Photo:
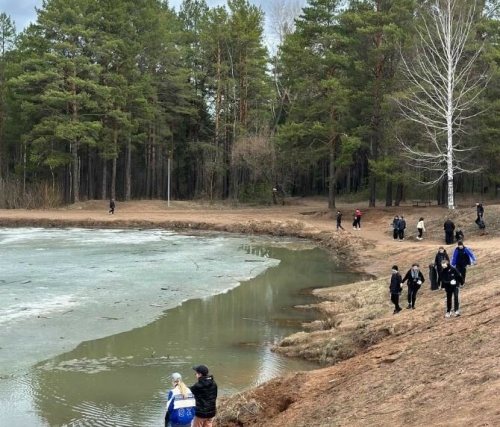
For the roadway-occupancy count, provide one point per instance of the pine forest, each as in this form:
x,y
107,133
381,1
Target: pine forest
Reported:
x,y
368,100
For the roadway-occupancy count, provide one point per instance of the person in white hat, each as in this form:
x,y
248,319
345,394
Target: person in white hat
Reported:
x,y
181,404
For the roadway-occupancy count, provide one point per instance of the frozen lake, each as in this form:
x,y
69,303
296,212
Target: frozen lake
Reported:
x,y
93,322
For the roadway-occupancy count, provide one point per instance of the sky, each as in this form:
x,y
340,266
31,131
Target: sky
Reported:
x,y
22,12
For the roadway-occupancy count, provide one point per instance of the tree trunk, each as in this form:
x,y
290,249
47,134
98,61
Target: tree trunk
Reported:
x,y
128,169
388,194
104,182
331,173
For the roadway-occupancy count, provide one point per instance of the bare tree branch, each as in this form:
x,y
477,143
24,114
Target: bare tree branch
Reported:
x,y
443,89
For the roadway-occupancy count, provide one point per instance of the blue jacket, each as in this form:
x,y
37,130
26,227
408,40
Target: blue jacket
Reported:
x,y
462,257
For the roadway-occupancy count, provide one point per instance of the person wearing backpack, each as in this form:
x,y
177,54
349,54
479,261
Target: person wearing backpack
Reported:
x,y
205,393
181,404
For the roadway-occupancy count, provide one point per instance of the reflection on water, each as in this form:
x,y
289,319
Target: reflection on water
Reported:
x,y
122,380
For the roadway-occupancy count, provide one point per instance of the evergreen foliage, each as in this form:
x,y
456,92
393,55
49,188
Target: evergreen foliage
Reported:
x,y
101,98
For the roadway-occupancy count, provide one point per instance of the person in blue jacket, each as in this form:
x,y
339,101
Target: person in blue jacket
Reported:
x,y
181,404
462,257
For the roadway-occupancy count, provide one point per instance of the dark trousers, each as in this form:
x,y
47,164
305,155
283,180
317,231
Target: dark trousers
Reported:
x,y
395,233
395,301
339,225
462,269
358,221
452,291
420,232
111,210
448,237
412,295
401,234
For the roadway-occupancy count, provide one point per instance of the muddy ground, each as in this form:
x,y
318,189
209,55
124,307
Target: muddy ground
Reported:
x,y
415,368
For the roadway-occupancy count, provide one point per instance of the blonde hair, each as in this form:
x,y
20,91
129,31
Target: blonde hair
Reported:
x,y
182,387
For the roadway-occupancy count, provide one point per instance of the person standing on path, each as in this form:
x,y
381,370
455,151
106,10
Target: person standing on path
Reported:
x,y
395,228
339,221
451,281
414,279
180,404
449,228
111,206
205,393
480,214
358,218
420,228
395,288
401,228
438,260
462,257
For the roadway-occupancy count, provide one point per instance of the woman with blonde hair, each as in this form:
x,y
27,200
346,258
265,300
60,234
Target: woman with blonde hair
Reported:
x,y
181,404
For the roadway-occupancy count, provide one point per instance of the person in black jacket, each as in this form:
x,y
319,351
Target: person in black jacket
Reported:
x,y
339,221
205,393
414,279
111,206
440,256
395,228
451,281
401,228
449,228
395,288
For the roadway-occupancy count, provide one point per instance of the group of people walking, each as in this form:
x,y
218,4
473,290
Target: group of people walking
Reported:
x,y
193,406
445,274
356,220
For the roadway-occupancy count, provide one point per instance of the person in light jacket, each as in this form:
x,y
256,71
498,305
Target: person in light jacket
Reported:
x,y
420,228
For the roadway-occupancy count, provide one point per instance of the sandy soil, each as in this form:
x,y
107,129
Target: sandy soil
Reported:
x,y
414,369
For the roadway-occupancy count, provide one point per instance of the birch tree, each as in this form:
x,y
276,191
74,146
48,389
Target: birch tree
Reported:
x,y
444,87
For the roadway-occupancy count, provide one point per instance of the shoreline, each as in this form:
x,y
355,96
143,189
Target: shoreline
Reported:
x,y
363,346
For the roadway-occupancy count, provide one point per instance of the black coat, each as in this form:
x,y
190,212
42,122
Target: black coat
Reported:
x,y
448,274
439,259
396,282
411,282
205,393
449,225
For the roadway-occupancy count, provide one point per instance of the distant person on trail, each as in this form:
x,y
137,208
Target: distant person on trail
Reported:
x,y
480,214
420,228
395,288
401,228
358,218
462,257
205,393
395,228
459,235
438,260
180,404
111,206
451,281
449,228
354,221
339,221
414,279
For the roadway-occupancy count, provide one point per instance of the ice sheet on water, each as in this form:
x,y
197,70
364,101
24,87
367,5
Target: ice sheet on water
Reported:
x,y
130,276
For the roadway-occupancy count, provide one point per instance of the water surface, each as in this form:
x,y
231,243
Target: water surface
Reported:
x,y
121,379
